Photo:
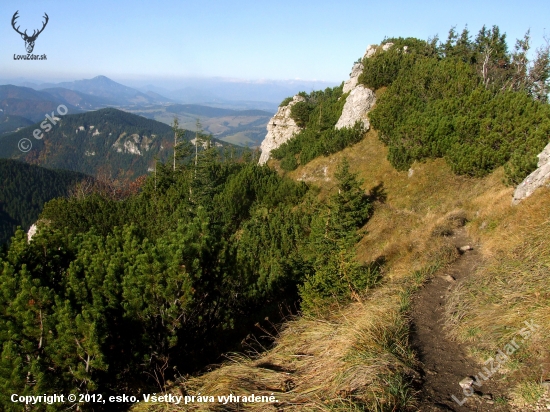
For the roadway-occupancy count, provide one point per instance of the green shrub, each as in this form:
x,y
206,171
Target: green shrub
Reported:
x,y
337,276
382,68
286,101
300,113
442,105
289,163
317,115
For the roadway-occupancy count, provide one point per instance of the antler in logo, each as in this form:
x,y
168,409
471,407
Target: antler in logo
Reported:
x,y
29,40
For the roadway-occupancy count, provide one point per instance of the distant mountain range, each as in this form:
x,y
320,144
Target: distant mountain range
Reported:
x,y
107,141
29,103
98,92
236,94
112,92
21,106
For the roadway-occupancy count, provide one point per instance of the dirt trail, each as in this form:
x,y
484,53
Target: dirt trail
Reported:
x,y
444,362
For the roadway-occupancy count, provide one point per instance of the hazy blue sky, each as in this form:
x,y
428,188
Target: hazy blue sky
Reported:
x,y
298,39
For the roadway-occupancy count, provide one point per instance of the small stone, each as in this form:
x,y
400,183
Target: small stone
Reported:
x,y
411,172
466,382
487,396
430,372
449,278
490,402
465,248
546,385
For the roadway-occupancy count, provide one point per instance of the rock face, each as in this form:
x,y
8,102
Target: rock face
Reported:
x,y
356,71
370,51
359,102
280,128
32,231
360,99
536,179
357,106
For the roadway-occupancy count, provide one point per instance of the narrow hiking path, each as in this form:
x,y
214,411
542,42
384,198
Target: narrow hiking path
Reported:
x,y
445,362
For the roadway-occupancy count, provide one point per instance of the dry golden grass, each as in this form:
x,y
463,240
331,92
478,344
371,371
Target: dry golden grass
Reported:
x,y
358,358
512,287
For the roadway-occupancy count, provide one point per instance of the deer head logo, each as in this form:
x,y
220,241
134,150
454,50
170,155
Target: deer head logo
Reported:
x,y
29,40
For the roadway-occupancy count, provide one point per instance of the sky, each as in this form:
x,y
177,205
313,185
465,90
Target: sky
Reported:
x,y
166,40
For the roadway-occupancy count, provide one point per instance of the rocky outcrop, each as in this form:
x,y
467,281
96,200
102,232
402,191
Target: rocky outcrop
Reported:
x,y
357,106
134,144
360,99
359,102
280,128
536,179
370,51
32,231
356,71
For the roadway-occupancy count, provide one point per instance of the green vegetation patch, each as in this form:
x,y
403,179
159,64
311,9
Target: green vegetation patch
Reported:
x,y
469,101
317,116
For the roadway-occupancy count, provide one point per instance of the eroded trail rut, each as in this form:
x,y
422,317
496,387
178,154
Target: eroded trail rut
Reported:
x,y
445,362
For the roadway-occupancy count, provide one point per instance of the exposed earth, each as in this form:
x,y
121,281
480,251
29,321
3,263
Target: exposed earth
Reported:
x,y
445,363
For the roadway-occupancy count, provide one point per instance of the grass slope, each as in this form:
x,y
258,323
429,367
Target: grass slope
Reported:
x,y
359,358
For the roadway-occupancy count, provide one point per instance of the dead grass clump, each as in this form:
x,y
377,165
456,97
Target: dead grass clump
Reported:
x,y
446,226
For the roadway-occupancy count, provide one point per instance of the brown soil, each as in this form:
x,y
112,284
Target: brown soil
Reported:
x,y
445,362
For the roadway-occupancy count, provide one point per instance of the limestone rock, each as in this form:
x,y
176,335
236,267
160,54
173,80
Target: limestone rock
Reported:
x,y
370,51
536,179
356,71
360,100
358,104
449,278
32,231
467,382
280,129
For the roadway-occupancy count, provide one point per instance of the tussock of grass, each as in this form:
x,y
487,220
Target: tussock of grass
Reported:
x,y
359,358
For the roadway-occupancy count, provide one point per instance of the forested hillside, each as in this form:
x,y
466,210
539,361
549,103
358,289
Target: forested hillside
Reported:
x,y
23,191
9,123
106,142
29,103
241,127
132,290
